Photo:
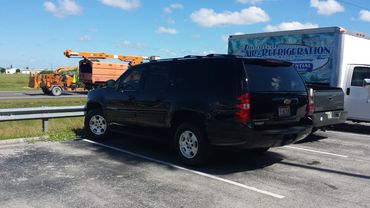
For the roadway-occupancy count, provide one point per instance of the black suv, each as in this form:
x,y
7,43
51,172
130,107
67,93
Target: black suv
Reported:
x,y
204,101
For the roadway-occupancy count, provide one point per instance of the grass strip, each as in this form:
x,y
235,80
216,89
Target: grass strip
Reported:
x,y
42,102
14,82
59,129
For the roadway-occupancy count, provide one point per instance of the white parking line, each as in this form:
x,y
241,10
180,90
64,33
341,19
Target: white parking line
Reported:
x,y
188,170
315,151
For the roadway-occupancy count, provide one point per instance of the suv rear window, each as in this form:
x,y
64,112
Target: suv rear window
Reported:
x,y
273,78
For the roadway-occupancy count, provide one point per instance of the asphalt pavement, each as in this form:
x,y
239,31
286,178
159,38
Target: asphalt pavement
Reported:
x,y
328,169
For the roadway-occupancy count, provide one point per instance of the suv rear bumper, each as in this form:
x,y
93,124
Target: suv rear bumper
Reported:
x,y
328,118
249,137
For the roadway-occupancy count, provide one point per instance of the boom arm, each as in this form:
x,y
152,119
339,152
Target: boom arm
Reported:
x,y
133,60
62,69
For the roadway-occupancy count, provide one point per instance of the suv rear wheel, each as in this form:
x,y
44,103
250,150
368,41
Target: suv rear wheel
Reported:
x,y
96,125
191,145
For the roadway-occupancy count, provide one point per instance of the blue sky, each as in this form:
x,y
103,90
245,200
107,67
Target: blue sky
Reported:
x,y
35,33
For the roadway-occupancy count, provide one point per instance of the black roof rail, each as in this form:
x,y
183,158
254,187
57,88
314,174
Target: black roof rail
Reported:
x,y
223,55
193,56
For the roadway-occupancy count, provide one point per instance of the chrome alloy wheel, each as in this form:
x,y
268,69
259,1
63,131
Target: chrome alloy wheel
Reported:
x,y
98,125
188,144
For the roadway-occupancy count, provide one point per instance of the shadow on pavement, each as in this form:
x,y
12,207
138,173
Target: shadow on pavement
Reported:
x,y
350,127
224,161
328,170
64,93
311,138
33,93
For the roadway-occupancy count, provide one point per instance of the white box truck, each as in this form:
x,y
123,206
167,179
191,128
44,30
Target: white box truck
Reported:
x,y
330,56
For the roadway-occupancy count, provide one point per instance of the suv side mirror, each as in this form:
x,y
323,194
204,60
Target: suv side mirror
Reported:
x,y
366,82
111,83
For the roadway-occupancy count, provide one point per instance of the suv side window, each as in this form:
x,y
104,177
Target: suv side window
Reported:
x,y
215,77
193,76
132,80
359,74
228,77
157,78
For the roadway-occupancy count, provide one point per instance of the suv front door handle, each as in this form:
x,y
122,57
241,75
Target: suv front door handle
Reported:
x,y
348,91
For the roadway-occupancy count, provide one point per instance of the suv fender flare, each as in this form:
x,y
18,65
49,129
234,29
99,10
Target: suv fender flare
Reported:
x,y
180,116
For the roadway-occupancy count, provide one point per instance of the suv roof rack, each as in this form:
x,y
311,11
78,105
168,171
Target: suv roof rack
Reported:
x,y
222,55
193,56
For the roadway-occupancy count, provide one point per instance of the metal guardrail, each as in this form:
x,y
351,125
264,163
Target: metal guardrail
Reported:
x,y
43,113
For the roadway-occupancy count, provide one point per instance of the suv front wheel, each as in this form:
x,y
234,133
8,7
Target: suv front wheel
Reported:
x,y
191,145
96,125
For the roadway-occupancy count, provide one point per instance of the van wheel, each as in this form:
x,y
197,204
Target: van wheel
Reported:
x,y
191,145
96,125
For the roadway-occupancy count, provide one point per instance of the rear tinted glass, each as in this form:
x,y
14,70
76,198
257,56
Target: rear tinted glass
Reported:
x,y
273,78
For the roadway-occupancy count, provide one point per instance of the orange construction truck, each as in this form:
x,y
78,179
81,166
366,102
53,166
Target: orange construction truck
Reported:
x,y
94,73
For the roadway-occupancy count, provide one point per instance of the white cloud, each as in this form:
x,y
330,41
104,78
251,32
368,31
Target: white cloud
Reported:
x,y
327,7
167,10
166,30
176,6
196,36
171,21
249,1
130,45
172,7
168,52
122,4
94,30
364,15
85,38
63,8
210,18
207,52
290,26
225,38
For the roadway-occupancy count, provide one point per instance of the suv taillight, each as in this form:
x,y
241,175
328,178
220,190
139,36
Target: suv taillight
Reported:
x,y
243,113
311,103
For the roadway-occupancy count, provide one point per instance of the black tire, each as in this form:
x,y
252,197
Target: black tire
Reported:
x,y
96,125
258,151
46,91
56,91
314,130
191,145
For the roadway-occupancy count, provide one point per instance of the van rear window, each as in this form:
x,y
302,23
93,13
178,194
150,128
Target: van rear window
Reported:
x,y
273,78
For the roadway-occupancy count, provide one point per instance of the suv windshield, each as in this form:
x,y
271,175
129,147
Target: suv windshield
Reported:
x,y
273,78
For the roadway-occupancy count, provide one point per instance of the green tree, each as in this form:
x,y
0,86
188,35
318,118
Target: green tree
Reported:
x,y
2,70
17,71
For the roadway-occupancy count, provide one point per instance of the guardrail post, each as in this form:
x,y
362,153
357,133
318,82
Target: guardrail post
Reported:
x,y
45,125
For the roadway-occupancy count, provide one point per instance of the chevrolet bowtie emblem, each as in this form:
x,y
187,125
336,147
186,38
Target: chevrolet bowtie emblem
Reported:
x,y
287,101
